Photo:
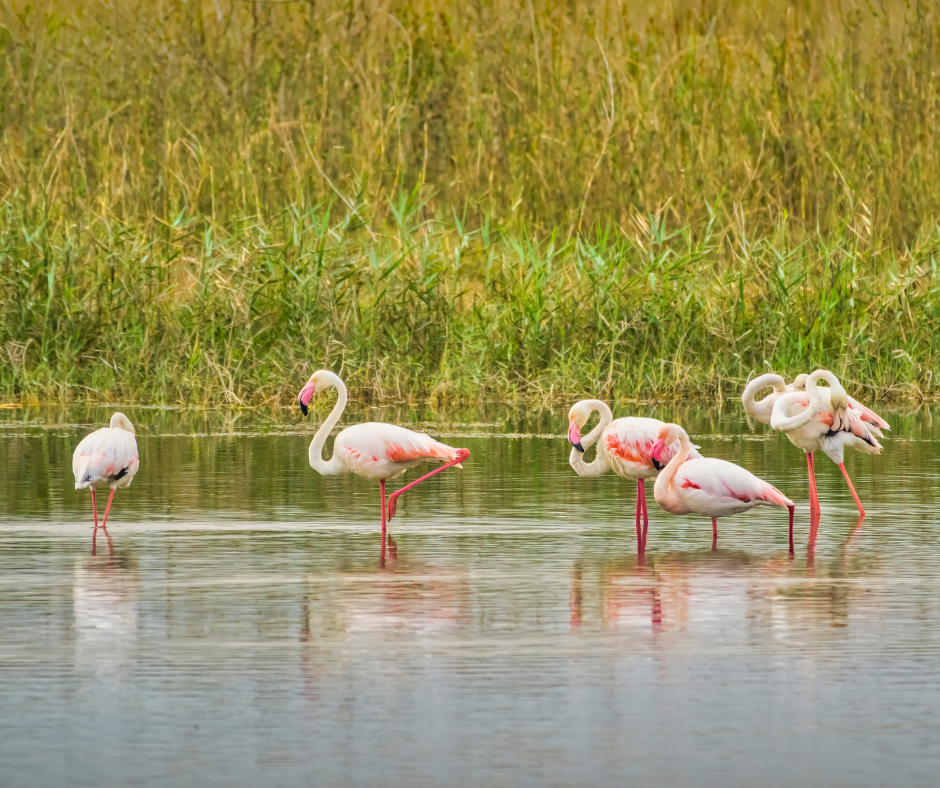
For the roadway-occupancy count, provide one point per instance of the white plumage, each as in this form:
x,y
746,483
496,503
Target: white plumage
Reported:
x,y
107,457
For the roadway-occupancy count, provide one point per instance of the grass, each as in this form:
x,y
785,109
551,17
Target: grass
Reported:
x,y
202,202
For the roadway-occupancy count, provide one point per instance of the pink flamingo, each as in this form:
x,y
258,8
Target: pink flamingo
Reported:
x,y
106,457
373,450
623,446
761,410
814,420
714,488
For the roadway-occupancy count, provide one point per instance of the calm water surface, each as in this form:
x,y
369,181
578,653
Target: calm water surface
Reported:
x,y
243,631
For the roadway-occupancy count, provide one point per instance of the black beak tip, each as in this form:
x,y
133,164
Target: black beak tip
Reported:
x,y
657,464
578,446
303,408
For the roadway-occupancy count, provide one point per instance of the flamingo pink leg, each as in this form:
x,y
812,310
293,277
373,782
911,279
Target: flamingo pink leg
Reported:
x,y
107,509
848,481
94,506
791,509
384,521
714,533
813,490
646,514
639,514
462,455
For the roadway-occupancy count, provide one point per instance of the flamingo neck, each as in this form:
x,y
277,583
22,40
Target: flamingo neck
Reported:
x,y
788,424
762,410
598,465
663,484
333,466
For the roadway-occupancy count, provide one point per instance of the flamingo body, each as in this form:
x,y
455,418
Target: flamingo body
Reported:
x,y
385,451
625,446
107,457
827,430
716,488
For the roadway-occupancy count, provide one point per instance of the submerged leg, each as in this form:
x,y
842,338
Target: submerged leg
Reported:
x,y
848,481
714,533
791,510
107,509
813,491
462,455
384,520
639,515
646,514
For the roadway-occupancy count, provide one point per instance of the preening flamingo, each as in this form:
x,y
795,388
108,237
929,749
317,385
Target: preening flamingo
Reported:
x,y
707,486
815,421
374,451
106,457
623,446
762,409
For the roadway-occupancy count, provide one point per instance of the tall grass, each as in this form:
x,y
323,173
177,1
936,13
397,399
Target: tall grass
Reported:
x,y
203,201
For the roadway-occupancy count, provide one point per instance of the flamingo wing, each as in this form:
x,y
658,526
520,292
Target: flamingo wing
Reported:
x,y
715,487
105,457
383,451
869,416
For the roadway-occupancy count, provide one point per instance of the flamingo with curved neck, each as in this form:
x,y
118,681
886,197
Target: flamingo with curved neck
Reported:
x,y
623,446
708,486
372,450
828,423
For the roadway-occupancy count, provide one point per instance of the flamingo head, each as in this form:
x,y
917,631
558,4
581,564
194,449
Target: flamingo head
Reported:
x,y
799,382
319,380
120,422
668,434
577,417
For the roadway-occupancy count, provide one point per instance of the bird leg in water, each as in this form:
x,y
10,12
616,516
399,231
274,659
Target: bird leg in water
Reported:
x,y
639,513
848,481
714,533
813,490
108,509
646,514
462,455
94,506
384,521
791,509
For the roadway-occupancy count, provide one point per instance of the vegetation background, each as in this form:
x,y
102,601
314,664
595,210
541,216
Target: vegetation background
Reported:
x,y
204,201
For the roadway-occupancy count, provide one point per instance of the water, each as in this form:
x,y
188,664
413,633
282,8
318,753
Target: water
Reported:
x,y
242,630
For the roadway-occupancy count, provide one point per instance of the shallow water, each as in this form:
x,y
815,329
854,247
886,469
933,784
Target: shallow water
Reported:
x,y
241,630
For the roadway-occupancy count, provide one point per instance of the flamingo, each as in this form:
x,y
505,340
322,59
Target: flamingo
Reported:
x,y
106,457
372,450
761,410
714,488
623,446
827,422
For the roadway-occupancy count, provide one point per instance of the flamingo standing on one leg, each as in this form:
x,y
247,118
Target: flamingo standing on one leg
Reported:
x,y
374,451
827,422
714,488
623,446
106,457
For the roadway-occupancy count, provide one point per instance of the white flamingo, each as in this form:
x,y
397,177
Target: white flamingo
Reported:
x,y
762,409
373,450
106,457
817,421
623,446
707,486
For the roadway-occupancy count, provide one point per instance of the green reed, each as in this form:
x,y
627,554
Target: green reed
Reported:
x,y
202,202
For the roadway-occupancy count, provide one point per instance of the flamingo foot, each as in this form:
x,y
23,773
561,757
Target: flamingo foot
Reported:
x,y
462,455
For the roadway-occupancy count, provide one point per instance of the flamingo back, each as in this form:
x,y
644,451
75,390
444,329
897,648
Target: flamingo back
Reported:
x,y
383,451
106,458
717,488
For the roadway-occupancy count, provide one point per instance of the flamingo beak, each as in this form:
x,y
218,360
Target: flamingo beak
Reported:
x,y
574,436
306,394
656,451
